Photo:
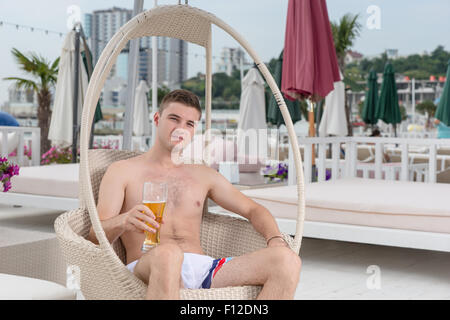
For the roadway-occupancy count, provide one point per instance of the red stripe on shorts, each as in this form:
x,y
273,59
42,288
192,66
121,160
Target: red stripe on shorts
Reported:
x,y
219,265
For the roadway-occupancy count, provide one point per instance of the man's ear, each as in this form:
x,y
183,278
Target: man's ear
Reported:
x,y
156,118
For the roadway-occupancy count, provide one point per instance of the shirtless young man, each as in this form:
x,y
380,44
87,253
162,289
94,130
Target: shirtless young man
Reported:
x,y
179,260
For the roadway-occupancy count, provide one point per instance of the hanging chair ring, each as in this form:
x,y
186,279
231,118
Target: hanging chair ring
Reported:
x,y
192,25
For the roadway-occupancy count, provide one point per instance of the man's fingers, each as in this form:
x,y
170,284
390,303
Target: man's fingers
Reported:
x,y
147,220
146,210
143,226
153,222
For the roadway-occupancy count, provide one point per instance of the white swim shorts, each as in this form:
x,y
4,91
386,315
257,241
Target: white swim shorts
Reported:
x,y
197,270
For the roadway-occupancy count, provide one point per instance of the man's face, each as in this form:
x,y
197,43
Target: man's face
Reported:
x,y
176,124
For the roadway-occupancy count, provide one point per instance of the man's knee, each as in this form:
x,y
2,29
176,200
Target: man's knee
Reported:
x,y
166,255
286,261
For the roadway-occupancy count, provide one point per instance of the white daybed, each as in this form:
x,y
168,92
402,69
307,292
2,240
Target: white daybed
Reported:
x,y
51,186
27,249
394,213
14,287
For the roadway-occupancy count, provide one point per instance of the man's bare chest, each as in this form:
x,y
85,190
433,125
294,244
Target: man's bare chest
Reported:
x,y
185,192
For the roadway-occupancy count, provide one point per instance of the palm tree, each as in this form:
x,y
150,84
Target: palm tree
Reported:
x,y
45,75
429,108
345,33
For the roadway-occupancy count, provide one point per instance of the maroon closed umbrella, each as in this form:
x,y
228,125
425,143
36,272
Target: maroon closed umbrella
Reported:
x,y
310,65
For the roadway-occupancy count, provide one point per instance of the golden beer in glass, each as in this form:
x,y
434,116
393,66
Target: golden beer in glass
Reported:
x,y
155,198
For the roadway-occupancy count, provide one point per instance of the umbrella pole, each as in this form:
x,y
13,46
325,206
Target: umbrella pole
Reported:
x,y
312,134
75,98
90,70
133,75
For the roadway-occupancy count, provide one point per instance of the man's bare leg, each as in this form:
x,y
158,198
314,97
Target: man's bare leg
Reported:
x,y
160,268
277,269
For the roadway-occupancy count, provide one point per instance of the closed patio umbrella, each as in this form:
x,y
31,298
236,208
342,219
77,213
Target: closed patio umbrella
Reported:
x,y
333,121
98,115
371,100
252,108
388,109
309,62
274,115
61,124
141,121
443,109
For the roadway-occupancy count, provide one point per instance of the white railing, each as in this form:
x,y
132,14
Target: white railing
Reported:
x,y
141,143
16,138
404,170
418,135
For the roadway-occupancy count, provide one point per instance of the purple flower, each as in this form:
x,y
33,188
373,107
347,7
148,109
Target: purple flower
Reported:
x,y
6,186
277,171
3,159
16,170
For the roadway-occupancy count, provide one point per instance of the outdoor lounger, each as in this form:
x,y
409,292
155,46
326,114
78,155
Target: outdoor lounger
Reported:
x,y
52,186
393,213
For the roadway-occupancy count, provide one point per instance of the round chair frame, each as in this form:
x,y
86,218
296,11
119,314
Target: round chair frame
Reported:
x,y
103,274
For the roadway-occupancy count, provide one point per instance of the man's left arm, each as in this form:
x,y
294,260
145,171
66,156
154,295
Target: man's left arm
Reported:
x,y
228,197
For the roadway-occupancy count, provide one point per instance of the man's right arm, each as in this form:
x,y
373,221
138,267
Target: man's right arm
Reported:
x,y
110,201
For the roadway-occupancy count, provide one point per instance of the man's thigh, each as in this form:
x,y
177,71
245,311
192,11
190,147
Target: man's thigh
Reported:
x,y
249,269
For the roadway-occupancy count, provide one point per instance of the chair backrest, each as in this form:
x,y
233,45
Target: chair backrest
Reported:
x,y
99,160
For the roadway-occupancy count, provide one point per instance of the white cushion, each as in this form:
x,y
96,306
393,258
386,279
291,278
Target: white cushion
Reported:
x,y
59,180
22,288
367,202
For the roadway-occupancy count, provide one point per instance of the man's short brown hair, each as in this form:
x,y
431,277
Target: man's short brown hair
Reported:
x,y
182,96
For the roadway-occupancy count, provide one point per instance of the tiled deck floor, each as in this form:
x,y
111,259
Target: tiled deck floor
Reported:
x,y
330,269
339,270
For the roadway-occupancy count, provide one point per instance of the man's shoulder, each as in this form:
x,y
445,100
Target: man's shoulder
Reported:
x,y
123,166
201,169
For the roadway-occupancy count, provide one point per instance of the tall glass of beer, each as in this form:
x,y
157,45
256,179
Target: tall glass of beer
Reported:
x,y
154,197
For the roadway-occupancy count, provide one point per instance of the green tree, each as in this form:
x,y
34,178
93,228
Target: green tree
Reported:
x,y
196,85
162,91
345,33
428,107
44,75
419,66
403,112
417,74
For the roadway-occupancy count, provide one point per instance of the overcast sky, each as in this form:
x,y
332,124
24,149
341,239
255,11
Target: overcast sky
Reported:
x,y
411,26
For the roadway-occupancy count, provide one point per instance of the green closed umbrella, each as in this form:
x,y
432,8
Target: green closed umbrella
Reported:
x,y
98,111
274,115
388,109
443,109
371,100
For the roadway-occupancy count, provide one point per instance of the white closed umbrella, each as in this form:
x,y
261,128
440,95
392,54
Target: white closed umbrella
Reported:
x,y
333,120
141,121
61,124
252,109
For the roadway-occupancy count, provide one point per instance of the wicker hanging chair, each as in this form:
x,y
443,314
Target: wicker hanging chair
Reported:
x,y
103,273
